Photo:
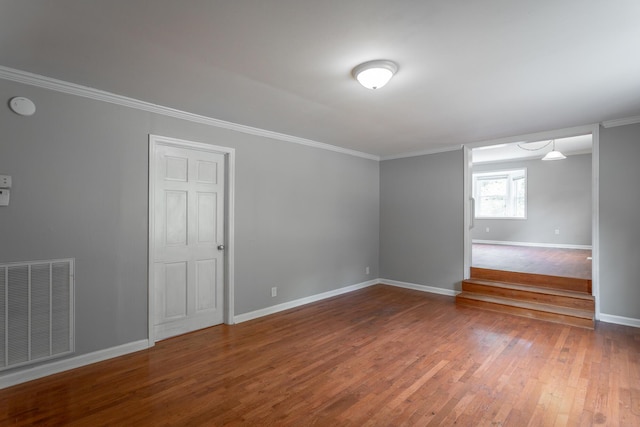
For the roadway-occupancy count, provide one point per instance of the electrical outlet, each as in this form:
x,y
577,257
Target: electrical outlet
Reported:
x,y
366,270
274,291
557,231
487,229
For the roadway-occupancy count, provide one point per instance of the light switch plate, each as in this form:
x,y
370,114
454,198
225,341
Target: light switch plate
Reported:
x,y
4,196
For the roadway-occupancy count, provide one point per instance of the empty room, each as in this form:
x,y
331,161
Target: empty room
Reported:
x,y
351,213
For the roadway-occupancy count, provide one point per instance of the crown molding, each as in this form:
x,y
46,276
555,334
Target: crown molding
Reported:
x,y
422,152
49,83
621,122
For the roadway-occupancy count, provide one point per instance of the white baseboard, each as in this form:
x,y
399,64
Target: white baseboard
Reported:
x,y
11,379
619,320
302,301
423,288
535,245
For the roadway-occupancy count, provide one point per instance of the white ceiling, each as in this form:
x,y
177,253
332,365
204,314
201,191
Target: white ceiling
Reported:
x,y
468,70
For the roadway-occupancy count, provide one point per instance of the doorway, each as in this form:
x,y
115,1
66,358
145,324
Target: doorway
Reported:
x,y
547,231
190,236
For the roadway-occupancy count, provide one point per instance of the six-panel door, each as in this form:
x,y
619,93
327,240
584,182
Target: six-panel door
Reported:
x,y
188,228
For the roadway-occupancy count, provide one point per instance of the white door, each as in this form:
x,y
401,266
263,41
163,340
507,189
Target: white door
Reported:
x,y
188,238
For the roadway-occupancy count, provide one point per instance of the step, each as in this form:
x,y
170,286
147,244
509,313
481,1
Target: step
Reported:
x,y
538,280
532,310
558,297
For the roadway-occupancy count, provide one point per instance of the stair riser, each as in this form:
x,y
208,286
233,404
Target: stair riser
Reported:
x,y
532,314
560,300
553,282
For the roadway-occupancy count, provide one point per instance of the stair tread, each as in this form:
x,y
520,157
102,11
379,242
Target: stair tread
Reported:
x,y
531,288
549,308
539,280
480,270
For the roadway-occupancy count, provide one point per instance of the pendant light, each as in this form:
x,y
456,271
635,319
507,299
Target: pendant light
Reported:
x,y
554,154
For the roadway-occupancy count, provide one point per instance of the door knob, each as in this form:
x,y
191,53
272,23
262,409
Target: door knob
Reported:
x,y
220,247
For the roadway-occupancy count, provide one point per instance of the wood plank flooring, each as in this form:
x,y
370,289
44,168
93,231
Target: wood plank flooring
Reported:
x,y
527,259
381,356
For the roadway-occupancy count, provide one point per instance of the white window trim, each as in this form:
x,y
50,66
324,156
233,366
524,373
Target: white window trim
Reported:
x,y
500,173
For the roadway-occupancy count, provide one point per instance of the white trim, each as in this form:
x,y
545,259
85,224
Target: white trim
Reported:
x,y
302,301
230,217
422,288
422,152
468,220
595,217
620,320
229,285
37,80
150,245
621,122
41,371
535,245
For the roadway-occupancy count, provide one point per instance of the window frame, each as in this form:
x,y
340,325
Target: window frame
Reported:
x,y
511,200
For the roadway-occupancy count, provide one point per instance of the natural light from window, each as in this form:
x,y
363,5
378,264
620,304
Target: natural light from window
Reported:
x,y
500,194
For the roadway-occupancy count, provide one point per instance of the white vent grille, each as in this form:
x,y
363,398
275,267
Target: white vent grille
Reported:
x,y
36,311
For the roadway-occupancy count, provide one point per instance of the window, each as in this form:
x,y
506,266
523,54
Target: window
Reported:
x,y
500,194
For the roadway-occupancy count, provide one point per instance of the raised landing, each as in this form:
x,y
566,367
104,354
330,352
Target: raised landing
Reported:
x,y
563,300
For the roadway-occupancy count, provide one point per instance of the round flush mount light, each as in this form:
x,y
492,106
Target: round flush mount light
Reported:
x,y
375,74
22,106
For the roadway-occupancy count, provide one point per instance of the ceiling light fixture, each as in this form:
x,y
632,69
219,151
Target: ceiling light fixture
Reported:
x,y
553,154
375,74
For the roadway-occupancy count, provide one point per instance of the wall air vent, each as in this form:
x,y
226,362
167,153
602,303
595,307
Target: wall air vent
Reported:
x,y
36,311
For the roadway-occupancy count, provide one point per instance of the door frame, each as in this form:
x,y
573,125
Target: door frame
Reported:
x,y
229,224
594,130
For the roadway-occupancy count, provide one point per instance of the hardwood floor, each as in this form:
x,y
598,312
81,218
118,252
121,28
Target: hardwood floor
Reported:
x,y
527,259
381,356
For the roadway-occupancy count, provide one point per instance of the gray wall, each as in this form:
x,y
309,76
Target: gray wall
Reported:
x,y
421,219
558,197
307,220
619,227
